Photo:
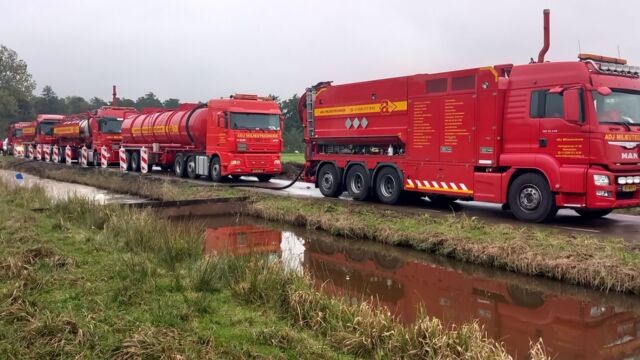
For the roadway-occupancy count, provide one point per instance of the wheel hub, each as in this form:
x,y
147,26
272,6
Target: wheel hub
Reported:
x,y
530,198
388,186
327,181
357,184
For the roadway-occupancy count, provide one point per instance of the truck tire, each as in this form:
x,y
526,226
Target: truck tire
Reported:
x,y
591,214
135,161
264,178
127,155
358,182
388,186
191,167
96,159
329,181
215,170
179,168
531,199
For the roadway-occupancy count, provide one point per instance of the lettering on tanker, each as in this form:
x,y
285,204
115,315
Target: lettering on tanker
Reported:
x,y
454,122
422,124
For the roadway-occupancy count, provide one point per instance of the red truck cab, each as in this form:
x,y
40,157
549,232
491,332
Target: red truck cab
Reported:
x,y
535,137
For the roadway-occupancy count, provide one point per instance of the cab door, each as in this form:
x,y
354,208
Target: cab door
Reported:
x,y
566,141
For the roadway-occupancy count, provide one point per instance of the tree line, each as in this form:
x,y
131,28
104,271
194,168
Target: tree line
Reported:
x,y
19,103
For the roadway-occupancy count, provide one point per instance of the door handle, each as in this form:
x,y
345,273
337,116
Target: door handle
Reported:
x,y
543,142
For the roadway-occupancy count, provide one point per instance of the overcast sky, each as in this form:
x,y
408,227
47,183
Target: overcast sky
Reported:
x,y
196,50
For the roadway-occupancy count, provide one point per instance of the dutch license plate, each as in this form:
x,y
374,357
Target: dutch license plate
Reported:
x,y
629,188
257,170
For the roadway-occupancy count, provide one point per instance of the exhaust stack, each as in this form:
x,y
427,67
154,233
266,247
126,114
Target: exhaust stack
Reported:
x,y
547,40
114,101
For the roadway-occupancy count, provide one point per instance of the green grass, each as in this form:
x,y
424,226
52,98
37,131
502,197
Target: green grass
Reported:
x,y
80,280
293,158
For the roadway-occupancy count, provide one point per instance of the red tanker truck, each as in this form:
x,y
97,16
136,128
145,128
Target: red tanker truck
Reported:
x,y
18,134
533,137
41,131
236,136
92,130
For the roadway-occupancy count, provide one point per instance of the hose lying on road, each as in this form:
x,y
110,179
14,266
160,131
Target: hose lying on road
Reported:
x,y
272,188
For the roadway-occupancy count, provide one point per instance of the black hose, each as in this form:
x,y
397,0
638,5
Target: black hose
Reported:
x,y
272,188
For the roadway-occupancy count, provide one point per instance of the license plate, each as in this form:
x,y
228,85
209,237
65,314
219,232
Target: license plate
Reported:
x,y
629,188
257,170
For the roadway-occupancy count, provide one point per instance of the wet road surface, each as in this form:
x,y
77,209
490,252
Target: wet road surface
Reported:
x,y
59,190
573,322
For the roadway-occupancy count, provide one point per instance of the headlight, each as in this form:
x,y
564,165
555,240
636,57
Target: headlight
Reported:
x,y
601,179
636,179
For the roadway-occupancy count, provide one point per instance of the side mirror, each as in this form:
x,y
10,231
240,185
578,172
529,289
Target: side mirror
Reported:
x,y
603,90
572,106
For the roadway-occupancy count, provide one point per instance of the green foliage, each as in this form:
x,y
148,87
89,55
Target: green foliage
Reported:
x,y
292,135
16,88
77,104
171,103
49,102
150,100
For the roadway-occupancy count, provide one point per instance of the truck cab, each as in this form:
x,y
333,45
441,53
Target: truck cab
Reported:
x,y
576,124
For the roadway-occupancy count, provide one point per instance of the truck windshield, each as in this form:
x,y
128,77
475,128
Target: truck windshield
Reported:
x,y
619,107
17,133
46,128
110,125
248,121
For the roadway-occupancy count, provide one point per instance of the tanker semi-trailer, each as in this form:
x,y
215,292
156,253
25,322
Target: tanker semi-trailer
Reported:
x,y
533,137
92,130
238,136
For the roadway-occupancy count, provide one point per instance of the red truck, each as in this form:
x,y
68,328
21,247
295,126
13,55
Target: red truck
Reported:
x,y
18,134
533,137
236,136
92,130
41,133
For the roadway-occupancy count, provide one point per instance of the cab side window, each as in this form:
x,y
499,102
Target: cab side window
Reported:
x,y
546,105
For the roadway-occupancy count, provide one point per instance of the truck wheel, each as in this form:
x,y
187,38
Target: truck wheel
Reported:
x,y
329,181
591,214
96,159
358,182
215,170
135,161
179,167
191,167
531,199
264,178
127,155
388,185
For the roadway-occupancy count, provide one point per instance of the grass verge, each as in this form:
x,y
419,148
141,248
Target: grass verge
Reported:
x,y
294,158
80,280
596,262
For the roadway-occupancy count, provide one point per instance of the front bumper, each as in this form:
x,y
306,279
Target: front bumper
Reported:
x,y
614,195
252,164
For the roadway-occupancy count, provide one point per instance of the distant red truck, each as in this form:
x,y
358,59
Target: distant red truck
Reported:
x,y
92,130
238,136
534,137
18,134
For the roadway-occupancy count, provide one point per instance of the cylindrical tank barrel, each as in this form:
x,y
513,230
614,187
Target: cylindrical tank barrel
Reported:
x,y
186,126
72,129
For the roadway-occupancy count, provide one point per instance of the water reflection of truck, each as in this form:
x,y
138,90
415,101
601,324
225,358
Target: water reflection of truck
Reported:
x,y
242,240
569,327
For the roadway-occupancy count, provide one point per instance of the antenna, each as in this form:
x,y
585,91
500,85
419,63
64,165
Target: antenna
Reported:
x,y
114,101
619,52
579,48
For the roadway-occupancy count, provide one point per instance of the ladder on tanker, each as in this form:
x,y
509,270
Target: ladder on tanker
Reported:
x,y
311,123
